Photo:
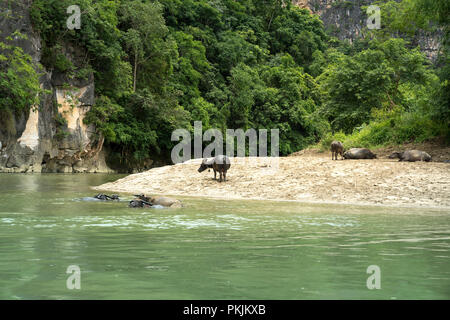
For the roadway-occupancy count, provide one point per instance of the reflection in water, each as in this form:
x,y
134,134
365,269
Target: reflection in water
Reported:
x,y
211,249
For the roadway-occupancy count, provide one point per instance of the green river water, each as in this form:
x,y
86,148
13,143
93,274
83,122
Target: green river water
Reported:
x,y
211,249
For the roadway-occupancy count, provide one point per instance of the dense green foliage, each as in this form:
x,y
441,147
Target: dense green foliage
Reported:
x,y
386,75
406,99
19,80
245,64
160,66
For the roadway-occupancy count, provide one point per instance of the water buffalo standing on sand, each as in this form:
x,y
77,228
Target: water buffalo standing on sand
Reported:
x,y
359,153
219,163
337,148
411,155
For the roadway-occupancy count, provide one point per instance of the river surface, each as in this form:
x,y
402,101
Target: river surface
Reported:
x,y
211,249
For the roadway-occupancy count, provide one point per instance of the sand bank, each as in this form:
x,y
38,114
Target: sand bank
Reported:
x,y
305,178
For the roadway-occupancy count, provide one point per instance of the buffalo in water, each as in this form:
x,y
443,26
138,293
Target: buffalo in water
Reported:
x,y
147,202
166,202
137,203
219,164
411,156
105,197
141,201
359,153
337,148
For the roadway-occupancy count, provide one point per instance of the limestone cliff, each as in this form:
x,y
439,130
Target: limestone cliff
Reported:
x,y
346,20
50,137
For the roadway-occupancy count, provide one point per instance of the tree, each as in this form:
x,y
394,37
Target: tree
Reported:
x,y
371,79
19,77
145,32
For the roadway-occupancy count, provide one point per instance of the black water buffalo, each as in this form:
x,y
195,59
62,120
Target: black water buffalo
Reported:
x,y
102,196
141,202
146,202
337,148
142,197
359,153
219,164
411,156
137,203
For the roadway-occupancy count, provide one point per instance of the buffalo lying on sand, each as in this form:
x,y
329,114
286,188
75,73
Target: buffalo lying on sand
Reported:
x,y
337,148
411,155
359,153
219,164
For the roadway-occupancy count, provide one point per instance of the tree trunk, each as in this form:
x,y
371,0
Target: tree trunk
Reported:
x,y
390,100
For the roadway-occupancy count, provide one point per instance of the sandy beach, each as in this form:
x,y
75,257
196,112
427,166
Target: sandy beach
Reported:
x,y
304,178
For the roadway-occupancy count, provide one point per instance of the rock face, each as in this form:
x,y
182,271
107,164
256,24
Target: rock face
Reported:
x,y
346,20
50,137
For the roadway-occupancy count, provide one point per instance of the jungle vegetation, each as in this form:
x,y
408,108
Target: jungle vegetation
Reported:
x,y
161,65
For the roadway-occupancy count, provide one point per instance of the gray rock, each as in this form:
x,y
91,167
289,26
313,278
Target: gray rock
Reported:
x,y
346,20
48,152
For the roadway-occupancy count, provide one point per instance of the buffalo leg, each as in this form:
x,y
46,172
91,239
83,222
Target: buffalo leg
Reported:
x,y
214,174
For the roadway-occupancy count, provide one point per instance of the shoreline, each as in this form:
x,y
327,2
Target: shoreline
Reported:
x,y
302,179
310,202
